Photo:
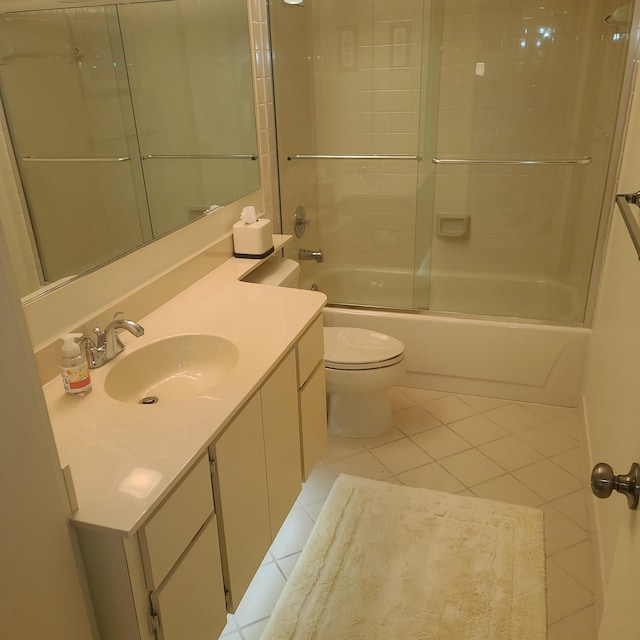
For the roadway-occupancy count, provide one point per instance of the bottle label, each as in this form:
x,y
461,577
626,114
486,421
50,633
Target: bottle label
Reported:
x,y
76,379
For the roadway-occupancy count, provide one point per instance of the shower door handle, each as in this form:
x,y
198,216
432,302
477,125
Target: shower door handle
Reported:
x,y
603,482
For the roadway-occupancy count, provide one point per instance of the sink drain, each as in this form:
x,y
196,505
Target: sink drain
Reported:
x,y
149,400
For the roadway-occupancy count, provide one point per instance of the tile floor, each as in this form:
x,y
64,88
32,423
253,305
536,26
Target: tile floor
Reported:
x,y
516,452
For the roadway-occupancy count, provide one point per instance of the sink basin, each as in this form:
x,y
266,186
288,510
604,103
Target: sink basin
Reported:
x,y
175,368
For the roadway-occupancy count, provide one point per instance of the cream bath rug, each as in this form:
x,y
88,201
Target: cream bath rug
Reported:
x,y
388,562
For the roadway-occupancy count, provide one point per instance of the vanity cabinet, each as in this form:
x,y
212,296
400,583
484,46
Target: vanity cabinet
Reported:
x,y
312,401
192,559
164,582
257,476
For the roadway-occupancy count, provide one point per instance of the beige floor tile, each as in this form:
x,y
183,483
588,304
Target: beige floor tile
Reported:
x,y
449,409
293,534
472,467
399,400
414,420
574,506
579,562
362,464
548,479
560,532
288,564
480,403
401,456
377,441
513,417
261,596
572,424
431,476
573,461
565,595
511,453
314,509
508,489
582,625
419,396
478,430
340,447
548,440
318,486
440,442
549,411
254,631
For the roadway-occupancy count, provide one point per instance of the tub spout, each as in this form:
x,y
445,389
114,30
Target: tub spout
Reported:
x,y
308,254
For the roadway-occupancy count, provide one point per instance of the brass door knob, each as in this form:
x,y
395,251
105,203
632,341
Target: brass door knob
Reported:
x,y
603,482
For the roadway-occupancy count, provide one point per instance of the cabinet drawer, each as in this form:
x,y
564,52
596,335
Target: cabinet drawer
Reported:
x,y
170,530
191,603
310,350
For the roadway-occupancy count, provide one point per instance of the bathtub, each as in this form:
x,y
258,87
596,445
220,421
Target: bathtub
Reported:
x,y
481,294
522,361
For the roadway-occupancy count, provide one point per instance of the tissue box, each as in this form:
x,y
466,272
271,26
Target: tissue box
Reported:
x,y
253,239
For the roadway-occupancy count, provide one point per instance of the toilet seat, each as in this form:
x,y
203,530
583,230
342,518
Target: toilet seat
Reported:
x,y
348,348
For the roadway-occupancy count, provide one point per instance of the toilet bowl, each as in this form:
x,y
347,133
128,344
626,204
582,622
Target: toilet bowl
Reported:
x,y
360,367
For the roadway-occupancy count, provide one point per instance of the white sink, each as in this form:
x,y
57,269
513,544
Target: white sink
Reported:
x,y
174,368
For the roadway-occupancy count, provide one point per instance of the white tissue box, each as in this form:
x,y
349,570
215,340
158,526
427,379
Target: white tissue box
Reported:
x,y
253,239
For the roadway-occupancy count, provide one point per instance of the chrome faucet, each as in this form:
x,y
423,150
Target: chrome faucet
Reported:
x,y
107,344
308,254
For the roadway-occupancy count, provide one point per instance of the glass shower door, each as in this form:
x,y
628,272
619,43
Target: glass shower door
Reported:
x,y
347,82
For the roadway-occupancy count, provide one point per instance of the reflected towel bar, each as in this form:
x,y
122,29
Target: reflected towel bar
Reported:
x,y
585,160
237,156
37,159
305,156
623,201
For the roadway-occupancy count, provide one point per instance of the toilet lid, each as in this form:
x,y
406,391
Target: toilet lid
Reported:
x,y
349,348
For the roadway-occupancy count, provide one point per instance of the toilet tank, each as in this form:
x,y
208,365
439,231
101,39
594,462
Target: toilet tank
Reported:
x,y
276,271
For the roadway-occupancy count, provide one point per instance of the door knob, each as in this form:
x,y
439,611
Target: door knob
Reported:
x,y
603,482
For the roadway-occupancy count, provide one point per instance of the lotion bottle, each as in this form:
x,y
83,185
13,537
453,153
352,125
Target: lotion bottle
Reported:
x,y
73,367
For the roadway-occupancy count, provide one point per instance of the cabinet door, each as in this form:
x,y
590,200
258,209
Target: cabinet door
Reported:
x,y
190,603
241,499
313,419
279,396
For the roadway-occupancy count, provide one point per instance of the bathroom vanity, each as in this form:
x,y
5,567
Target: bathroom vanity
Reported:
x,y
179,501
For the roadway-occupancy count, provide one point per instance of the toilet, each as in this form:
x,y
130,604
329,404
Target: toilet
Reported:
x,y
361,365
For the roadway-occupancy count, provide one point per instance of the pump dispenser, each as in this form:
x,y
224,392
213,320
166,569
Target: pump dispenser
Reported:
x,y
73,367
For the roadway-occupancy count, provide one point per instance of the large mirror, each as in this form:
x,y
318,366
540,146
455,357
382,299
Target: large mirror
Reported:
x,y
127,121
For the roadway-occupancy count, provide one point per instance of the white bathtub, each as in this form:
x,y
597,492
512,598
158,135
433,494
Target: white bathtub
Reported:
x,y
503,359
481,294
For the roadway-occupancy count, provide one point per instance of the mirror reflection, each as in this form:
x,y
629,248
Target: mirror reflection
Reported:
x,y
127,121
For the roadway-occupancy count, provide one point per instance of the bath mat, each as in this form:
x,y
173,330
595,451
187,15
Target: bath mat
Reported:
x,y
389,562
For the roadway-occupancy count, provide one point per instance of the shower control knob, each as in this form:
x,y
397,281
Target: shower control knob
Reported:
x,y
603,482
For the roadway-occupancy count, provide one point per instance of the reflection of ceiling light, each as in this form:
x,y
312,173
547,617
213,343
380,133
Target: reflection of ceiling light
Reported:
x,y
140,482
294,1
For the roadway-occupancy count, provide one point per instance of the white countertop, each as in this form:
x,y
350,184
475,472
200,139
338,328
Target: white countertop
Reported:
x,y
124,456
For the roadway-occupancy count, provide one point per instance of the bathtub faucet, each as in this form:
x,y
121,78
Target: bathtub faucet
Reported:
x,y
308,254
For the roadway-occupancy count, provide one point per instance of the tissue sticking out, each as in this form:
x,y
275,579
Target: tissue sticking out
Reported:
x,y
248,215
620,17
